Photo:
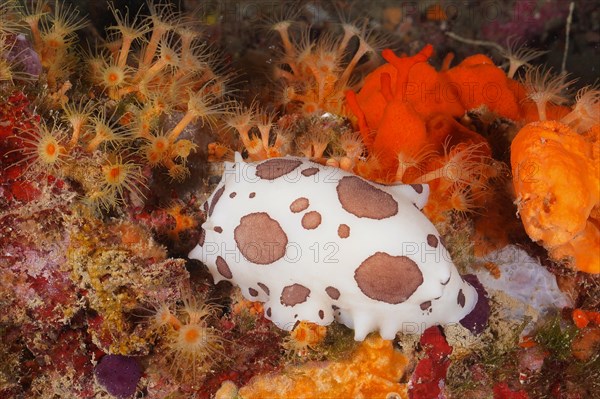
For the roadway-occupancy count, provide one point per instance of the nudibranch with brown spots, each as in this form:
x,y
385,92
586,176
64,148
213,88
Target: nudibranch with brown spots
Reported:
x,y
319,244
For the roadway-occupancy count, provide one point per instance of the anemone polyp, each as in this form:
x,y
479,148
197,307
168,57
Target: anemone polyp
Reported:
x,y
163,317
159,144
122,175
192,344
156,149
113,76
191,338
54,40
304,337
49,149
118,176
43,149
193,348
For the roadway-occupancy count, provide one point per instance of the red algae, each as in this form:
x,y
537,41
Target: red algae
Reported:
x,y
430,374
16,116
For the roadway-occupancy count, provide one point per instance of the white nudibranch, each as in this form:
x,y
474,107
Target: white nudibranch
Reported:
x,y
319,244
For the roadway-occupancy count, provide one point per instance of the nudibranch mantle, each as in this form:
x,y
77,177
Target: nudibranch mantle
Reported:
x,y
319,244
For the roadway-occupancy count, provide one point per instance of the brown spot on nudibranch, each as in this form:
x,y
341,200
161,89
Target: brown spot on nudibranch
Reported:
x,y
269,312
387,278
310,171
321,314
417,187
333,292
252,195
263,287
252,291
460,299
299,205
223,268
276,167
343,231
215,199
218,229
425,305
311,220
202,237
362,199
232,195
260,239
432,240
294,294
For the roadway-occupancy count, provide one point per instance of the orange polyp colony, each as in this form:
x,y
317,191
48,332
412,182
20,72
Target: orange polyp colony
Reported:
x,y
307,334
463,201
172,321
316,75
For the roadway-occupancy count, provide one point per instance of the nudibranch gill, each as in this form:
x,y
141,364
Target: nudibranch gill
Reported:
x,y
319,244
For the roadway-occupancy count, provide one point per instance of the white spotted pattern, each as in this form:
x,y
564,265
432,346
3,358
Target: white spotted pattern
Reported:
x,y
385,269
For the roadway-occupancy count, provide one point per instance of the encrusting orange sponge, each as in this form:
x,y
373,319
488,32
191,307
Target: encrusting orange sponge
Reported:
x,y
407,115
480,82
399,127
557,185
378,365
402,102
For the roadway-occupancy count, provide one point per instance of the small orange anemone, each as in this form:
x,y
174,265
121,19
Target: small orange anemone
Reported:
x,y
304,337
529,110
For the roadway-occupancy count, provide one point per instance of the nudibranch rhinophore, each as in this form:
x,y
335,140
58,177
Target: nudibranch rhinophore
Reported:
x,y
319,244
